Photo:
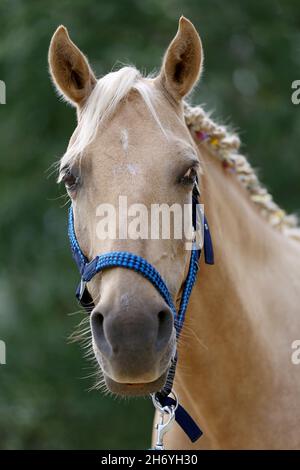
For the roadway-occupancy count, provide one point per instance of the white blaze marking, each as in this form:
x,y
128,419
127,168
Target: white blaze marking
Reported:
x,y
124,140
132,169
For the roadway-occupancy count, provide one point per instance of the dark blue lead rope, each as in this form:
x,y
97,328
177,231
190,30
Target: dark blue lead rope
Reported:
x,y
124,259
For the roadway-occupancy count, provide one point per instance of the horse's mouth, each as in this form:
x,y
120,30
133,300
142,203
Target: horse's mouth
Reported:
x,y
135,389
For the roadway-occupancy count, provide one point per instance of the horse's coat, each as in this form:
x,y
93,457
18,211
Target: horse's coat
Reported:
x,y
235,373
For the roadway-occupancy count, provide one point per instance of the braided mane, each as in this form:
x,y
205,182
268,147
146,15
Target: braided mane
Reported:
x,y
225,147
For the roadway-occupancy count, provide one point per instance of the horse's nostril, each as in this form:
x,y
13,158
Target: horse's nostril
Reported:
x,y
165,326
97,321
161,316
97,324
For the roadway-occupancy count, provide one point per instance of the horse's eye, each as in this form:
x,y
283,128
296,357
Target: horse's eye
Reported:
x,y
70,180
189,177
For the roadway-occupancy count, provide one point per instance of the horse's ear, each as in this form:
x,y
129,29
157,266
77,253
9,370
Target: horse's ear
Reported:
x,y
69,68
183,61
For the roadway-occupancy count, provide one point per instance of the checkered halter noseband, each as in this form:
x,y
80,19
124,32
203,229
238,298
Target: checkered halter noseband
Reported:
x,y
127,260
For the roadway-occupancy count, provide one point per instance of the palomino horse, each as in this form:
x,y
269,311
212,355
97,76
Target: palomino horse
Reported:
x,y
138,138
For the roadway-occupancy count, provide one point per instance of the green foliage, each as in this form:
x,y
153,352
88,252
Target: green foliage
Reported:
x,y
252,55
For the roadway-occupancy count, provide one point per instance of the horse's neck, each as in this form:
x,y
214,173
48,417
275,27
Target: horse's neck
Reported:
x,y
236,346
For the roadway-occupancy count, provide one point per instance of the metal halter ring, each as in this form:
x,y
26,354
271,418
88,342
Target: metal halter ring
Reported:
x,y
166,420
164,409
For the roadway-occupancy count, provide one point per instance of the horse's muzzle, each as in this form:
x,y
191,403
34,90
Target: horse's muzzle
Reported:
x,y
134,346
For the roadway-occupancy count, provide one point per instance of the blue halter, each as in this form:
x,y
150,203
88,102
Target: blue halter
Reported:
x,y
124,259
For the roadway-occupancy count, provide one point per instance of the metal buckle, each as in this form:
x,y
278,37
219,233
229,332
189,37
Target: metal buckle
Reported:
x,y
82,288
164,425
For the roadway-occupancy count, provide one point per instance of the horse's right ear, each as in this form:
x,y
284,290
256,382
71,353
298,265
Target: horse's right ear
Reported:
x,y
69,68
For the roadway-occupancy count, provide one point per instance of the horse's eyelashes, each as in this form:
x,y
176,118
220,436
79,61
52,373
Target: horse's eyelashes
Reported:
x,y
70,180
189,177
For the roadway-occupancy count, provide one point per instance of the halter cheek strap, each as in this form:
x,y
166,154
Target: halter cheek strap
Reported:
x,y
127,260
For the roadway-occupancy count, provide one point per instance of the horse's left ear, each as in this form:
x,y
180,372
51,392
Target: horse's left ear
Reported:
x,y
183,61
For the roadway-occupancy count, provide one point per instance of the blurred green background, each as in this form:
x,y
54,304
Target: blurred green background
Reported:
x,y
252,55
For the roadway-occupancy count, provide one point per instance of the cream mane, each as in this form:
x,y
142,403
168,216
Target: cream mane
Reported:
x,y
113,87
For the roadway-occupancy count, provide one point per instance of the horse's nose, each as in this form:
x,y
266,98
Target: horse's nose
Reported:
x,y
134,339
